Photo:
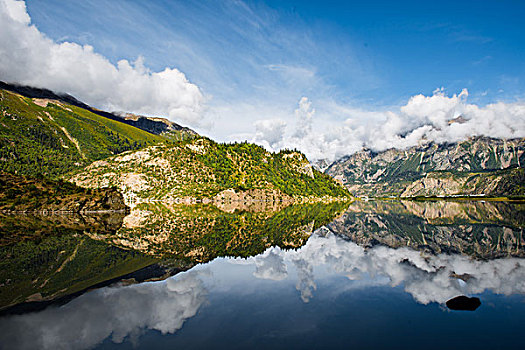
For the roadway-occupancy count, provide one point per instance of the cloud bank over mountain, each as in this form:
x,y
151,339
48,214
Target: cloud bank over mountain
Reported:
x,y
29,57
438,118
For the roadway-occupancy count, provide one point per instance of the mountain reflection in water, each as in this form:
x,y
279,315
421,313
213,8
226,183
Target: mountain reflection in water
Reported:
x,y
44,259
480,229
280,295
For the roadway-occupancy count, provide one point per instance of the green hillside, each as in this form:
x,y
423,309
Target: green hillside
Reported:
x,y
51,138
201,168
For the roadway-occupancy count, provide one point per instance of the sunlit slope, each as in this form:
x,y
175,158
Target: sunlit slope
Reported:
x,y
50,138
202,168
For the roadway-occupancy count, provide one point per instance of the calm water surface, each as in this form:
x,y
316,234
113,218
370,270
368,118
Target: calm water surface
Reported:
x,y
378,276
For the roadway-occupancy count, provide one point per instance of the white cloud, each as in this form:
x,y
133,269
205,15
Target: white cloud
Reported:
x,y
304,115
17,11
27,56
270,130
270,265
422,119
259,103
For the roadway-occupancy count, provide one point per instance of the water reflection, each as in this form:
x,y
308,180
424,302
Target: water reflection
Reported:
x,y
129,311
115,313
45,258
200,233
432,252
428,278
479,229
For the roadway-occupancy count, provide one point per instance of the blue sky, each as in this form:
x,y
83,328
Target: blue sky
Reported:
x,y
371,52
259,70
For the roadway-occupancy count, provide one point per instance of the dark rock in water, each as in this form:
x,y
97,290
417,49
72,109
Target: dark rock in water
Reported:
x,y
463,303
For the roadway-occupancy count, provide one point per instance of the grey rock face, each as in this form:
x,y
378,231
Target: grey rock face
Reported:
x,y
433,169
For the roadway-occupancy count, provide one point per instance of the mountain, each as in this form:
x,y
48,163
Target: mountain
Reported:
x,y
51,138
478,165
159,126
154,125
43,133
203,170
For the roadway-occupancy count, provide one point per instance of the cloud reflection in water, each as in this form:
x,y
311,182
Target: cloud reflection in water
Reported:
x,y
116,312
428,278
129,311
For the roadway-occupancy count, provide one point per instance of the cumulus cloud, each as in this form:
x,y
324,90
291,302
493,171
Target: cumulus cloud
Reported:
x,y
304,115
438,118
29,57
270,131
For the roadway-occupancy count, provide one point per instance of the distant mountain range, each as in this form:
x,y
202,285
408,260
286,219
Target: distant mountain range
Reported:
x,y
477,166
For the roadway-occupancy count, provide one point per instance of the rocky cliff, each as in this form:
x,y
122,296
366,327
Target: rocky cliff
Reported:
x,y
509,182
469,167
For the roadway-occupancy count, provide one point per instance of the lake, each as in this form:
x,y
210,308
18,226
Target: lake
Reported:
x,y
363,275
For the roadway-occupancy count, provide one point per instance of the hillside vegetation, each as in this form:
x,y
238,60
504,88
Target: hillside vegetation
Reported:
x,y
203,169
51,138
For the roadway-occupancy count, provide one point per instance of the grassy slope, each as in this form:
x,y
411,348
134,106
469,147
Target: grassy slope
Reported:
x,y
33,142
